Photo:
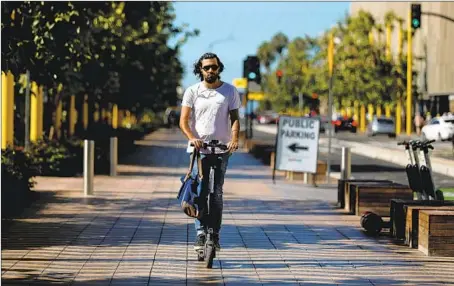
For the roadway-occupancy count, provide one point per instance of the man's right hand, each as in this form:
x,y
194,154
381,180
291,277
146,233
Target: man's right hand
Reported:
x,y
197,143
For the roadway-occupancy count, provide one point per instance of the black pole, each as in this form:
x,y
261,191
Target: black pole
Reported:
x,y
275,152
27,113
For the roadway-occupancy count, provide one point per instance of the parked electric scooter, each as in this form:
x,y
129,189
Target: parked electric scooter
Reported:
x,y
420,180
412,168
425,170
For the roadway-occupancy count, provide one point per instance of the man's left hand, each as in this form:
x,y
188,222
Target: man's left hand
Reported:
x,y
232,146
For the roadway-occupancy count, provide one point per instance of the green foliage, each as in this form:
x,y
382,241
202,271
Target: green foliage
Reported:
x,y
361,69
19,166
103,49
54,157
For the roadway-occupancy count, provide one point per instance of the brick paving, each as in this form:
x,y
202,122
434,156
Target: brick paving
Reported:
x,y
131,232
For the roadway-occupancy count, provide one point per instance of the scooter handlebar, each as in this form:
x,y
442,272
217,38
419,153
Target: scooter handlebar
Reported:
x,y
206,145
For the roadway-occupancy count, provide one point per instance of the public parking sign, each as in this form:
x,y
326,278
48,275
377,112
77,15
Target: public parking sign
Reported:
x,y
297,144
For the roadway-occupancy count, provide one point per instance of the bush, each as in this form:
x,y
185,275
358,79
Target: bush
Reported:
x,y
18,170
20,166
56,158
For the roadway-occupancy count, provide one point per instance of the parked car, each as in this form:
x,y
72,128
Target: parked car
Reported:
x,y
381,126
345,123
439,128
268,117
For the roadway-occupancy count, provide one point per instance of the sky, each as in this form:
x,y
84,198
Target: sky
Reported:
x,y
234,30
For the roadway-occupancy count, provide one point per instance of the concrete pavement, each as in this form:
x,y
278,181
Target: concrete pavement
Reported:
x,y
131,232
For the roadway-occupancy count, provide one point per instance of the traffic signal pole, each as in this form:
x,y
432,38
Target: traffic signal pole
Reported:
x,y
330,103
409,74
251,71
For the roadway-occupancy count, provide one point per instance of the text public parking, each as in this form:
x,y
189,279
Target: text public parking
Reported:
x,y
306,126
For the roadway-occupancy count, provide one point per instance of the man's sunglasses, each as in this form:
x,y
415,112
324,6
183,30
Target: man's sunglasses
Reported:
x,y
213,67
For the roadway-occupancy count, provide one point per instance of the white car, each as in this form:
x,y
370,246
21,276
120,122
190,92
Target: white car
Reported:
x,y
439,128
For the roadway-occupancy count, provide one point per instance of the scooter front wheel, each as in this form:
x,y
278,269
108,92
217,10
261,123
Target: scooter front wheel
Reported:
x,y
210,252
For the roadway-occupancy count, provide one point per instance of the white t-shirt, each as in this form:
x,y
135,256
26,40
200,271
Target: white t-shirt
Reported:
x,y
210,118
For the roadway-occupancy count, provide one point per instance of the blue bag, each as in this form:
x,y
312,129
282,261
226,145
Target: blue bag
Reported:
x,y
187,196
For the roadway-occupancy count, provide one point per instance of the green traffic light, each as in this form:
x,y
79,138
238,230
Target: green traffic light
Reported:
x,y
415,23
252,75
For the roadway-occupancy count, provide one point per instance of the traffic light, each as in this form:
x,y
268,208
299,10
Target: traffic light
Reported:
x,y
279,75
251,69
416,16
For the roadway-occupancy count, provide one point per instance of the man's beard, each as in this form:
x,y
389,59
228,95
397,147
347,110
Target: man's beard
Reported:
x,y
211,78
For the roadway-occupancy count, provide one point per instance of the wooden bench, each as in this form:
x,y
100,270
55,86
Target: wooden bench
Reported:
x,y
342,185
398,215
377,198
436,233
412,221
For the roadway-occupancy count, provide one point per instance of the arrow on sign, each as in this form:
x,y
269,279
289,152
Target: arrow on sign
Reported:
x,y
294,147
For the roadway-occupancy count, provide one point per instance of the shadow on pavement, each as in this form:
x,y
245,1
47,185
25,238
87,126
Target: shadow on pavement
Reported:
x,y
369,168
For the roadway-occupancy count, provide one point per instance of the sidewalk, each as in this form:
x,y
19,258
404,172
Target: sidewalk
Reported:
x,y
131,232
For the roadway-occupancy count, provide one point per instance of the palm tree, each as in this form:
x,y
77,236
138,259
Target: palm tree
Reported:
x,y
266,55
279,42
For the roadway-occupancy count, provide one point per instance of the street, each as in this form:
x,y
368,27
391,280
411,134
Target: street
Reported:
x,y
363,167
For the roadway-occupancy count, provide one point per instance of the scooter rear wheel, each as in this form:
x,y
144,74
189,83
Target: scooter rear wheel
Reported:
x,y
200,256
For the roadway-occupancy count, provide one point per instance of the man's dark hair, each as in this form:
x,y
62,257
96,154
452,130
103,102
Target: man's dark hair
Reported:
x,y
198,65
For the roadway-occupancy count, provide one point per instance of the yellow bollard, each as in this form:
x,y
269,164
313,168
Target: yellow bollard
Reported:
x,y
343,112
96,113
72,115
115,116
7,110
370,111
378,110
128,116
398,117
363,118
388,110
103,114
34,112
356,110
41,111
58,119
85,112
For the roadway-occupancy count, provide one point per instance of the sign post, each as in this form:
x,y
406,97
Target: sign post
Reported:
x,y
297,144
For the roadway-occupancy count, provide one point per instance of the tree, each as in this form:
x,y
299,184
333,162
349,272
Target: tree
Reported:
x,y
112,51
362,71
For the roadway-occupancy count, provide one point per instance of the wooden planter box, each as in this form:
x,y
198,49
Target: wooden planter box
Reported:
x,y
342,185
399,216
436,233
377,198
412,222
351,190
